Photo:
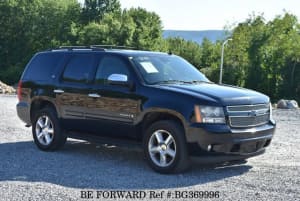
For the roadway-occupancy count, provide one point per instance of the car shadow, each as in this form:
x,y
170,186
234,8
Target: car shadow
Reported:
x,y
83,165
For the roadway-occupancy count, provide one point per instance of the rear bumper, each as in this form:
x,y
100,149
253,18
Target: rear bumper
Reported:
x,y
23,111
218,143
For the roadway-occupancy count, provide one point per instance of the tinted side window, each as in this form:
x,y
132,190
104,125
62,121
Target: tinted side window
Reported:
x,y
42,67
110,65
79,68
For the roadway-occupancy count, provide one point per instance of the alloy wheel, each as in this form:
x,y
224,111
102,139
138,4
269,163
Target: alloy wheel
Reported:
x,y
44,130
162,148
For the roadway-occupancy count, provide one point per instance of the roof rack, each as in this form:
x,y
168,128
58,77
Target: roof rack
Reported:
x,y
113,47
70,48
91,48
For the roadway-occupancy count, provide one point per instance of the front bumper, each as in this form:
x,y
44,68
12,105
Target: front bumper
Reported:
x,y
220,141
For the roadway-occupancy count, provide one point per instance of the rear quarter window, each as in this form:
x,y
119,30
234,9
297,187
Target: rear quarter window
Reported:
x,y
43,66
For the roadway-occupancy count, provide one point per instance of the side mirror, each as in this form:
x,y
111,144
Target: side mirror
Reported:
x,y
120,79
117,79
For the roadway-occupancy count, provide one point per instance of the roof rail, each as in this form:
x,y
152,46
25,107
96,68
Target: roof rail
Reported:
x,y
91,48
113,47
70,48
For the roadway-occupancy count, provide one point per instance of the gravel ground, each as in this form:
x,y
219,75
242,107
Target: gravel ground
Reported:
x,y
29,174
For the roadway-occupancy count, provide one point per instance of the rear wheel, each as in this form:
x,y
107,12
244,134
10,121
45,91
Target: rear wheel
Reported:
x,y
46,130
165,147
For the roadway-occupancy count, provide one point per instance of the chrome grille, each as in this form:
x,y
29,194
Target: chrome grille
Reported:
x,y
248,115
246,108
249,121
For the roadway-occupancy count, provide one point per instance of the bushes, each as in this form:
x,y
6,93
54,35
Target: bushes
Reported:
x,y
264,56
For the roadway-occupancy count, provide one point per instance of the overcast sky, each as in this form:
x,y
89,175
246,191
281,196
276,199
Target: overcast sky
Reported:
x,y
211,14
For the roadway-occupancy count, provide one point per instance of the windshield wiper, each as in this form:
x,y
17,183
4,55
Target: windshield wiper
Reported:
x,y
171,81
201,81
181,82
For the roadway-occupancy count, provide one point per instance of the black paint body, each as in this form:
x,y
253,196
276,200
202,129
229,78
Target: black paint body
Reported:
x,y
123,112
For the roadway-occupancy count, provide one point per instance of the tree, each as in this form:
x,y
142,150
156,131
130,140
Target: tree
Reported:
x,y
148,32
94,10
265,56
210,59
31,26
282,56
189,50
112,30
136,27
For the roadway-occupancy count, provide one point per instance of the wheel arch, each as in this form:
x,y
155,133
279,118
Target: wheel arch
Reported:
x,y
153,116
39,104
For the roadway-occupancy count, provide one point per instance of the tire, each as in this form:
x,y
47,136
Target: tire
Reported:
x,y
165,148
46,130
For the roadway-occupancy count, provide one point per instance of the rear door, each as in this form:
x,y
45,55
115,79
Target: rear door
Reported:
x,y
73,91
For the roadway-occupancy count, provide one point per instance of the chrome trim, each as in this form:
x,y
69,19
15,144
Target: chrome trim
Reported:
x,y
58,91
250,113
94,95
117,78
236,106
248,105
251,125
247,111
249,116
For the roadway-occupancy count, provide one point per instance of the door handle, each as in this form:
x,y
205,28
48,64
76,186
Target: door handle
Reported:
x,y
58,91
94,95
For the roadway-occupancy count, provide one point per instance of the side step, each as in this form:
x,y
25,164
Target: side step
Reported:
x,y
124,143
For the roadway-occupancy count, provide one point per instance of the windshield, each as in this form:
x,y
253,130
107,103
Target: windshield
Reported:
x,y
166,69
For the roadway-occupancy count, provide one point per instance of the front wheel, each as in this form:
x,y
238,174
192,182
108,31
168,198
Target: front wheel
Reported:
x,y
165,147
46,130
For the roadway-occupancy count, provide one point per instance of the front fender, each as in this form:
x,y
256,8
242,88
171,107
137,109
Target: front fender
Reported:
x,y
181,112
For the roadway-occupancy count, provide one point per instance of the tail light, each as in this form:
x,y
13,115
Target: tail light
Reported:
x,y
19,90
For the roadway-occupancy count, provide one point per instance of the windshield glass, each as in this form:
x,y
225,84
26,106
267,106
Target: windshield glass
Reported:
x,y
167,69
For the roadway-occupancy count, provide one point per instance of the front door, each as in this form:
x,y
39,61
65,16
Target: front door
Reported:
x,y
114,107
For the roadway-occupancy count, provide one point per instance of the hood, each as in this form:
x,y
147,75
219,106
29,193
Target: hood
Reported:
x,y
224,94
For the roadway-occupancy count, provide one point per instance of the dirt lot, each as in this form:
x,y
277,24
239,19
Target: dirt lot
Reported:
x,y
29,174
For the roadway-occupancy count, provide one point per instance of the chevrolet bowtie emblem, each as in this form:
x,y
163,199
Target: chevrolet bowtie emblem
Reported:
x,y
252,113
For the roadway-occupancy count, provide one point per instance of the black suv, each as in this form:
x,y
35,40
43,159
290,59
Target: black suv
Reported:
x,y
157,101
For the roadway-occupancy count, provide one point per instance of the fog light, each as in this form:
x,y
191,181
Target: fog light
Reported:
x,y
208,147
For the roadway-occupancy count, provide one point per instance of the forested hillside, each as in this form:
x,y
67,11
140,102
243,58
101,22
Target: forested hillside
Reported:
x,y
196,36
263,55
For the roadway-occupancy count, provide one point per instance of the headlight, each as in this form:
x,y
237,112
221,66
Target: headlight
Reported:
x,y
209,114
